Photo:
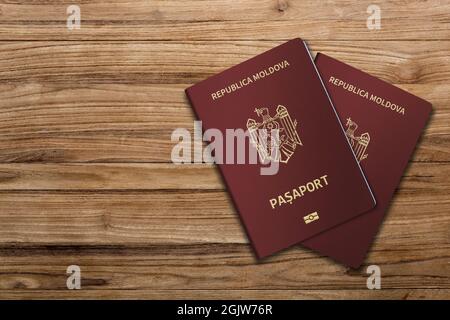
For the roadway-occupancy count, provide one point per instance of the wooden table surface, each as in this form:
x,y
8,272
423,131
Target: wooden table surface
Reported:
x,y
85,171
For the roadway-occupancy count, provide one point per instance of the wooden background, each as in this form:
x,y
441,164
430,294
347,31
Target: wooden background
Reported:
x,y
85,171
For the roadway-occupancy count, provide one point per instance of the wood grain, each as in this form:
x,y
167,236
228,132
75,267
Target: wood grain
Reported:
x,y
140,176
260,294
50,124
142,62
85,171
196,267
120,102
223,19
190,216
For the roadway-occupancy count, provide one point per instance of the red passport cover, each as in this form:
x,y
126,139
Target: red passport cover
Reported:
x,y
383,124
318,171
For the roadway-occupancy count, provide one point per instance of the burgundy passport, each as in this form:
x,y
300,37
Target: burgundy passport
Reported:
x,y
319,183
383,124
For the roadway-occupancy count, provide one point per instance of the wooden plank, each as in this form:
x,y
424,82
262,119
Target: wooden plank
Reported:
x,y
260,294
223,19
139,218
152,176
93,62
108,176
184,217
213,266
105,124
67,109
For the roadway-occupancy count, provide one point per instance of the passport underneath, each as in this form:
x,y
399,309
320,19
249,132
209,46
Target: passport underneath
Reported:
x,y
383,124
319,183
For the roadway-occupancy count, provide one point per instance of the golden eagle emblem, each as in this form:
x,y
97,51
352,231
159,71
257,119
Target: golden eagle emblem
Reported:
x,y
359,143
278,150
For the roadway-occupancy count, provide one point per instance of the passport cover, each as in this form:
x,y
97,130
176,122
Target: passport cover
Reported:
x,y
319,183
383,124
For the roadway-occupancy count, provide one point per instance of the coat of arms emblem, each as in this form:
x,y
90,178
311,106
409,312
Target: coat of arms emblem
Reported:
x,y
358,143
280,149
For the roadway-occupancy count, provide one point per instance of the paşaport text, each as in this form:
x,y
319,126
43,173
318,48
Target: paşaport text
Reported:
x,y
298,192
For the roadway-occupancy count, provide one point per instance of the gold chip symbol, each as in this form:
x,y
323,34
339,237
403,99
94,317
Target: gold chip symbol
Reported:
x,y
311,217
